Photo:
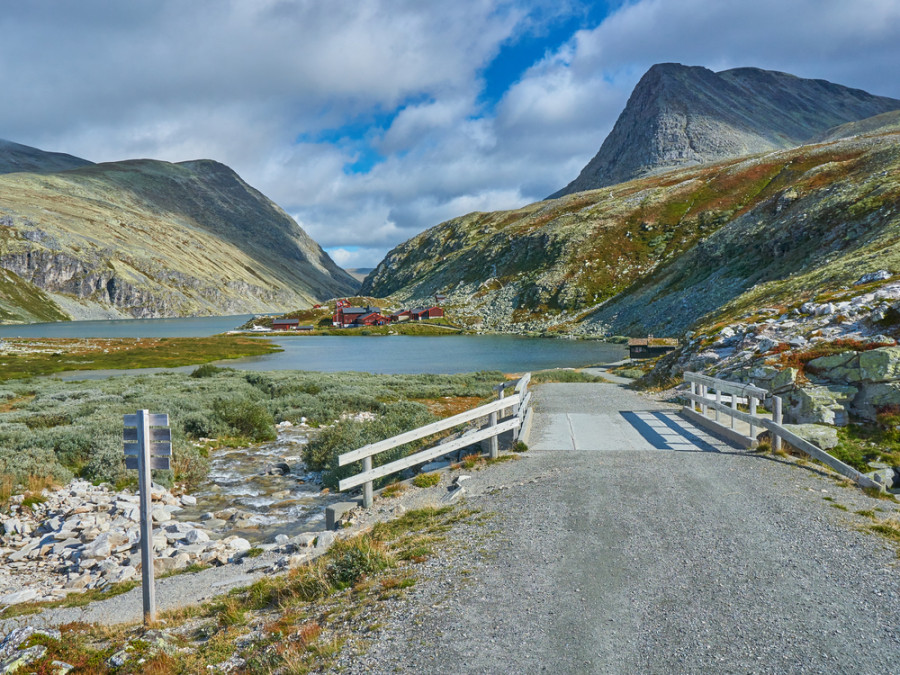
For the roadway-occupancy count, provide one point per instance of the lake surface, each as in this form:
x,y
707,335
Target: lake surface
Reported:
x,y
406,354
439,354
128,328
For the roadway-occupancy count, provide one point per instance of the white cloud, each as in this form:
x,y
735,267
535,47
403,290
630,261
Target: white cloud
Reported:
x,y
259,85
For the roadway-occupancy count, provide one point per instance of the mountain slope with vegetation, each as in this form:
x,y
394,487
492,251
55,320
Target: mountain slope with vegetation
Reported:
x,y
681,116
145,238
658,254
15,158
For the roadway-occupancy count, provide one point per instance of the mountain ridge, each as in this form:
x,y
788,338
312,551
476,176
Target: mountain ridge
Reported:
x,y
689,115
146,238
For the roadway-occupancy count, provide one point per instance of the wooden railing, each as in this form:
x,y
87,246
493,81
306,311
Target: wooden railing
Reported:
x,y
701,385
519,421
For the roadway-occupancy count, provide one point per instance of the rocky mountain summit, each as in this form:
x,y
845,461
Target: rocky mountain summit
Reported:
x,y
145,238
687,115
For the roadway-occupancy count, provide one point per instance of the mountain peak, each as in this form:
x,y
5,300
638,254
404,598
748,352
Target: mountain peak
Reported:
x,y
681,115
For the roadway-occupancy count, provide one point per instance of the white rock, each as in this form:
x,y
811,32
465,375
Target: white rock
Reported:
x,y
25,595
239,544
188,500
99,548
123,574
161,515
196,537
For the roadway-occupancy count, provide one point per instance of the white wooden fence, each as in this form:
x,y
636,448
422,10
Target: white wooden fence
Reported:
x,y
702,385
519,421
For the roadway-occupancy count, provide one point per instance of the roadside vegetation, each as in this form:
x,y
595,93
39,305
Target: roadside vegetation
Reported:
x,y
52,430
293,623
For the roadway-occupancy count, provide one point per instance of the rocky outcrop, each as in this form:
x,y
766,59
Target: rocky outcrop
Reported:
x,y
679,116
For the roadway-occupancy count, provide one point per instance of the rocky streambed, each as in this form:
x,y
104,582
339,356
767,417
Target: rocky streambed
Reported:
x,y
83,537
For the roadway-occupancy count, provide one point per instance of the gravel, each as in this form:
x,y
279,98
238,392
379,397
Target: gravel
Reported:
x,y
647,561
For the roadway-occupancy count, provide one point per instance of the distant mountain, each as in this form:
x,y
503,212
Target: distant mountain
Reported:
x,y
685,115
15,157
359,273
888,122
145,238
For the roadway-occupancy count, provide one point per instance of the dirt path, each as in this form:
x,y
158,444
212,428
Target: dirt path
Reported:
x,y
628,542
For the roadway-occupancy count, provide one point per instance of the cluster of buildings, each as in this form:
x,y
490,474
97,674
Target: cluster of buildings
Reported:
x,y
346,316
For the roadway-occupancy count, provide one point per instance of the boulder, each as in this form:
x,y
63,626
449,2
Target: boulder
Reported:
x,y
871,397
880,365
163,565
783,381
123,574
99,548
161,515
880,275
838,368
823,437
196,537
188,500
887,477
821,405
25,595
238,544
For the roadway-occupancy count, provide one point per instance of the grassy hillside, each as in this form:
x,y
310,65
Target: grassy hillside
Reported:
x,y
657,254
145,238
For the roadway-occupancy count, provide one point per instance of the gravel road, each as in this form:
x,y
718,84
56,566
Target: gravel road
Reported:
x,y
613,555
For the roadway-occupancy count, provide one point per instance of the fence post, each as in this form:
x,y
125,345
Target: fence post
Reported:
x,y
703,390
718,401
693,393
752,412
367,486
733,407
495,442
776,417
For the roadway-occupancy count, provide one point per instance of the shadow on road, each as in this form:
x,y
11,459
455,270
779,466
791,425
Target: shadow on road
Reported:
x,y
664,431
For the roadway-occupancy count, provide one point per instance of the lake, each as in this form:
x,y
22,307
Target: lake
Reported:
x,y
202,326
373,354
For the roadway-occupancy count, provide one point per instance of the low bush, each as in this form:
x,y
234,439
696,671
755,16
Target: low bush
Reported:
x,y
321,453
208,370
245,417
427,480
353,559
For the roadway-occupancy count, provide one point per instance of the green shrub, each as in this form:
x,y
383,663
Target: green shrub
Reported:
x,y
47,420
427,480
27,462
208,370
246,418
200,425
355,558
321,453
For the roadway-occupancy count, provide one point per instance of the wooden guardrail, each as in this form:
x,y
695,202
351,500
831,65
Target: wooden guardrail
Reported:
x,y
519,402
699,395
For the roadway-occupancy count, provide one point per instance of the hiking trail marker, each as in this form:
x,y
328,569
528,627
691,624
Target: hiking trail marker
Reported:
x,y
148,445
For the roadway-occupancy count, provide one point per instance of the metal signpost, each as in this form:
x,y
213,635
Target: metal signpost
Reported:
x,y
148,445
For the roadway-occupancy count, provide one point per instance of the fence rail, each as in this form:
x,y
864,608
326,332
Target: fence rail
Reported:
x,y
699,395
520,419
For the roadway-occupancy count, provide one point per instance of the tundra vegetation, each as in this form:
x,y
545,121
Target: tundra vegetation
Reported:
x,y
52,430
292,623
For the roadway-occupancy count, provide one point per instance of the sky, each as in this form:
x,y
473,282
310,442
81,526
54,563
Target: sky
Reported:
x,y
370,121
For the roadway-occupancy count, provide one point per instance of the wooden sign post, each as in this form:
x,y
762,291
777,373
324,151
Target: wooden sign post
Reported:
x,y
148,445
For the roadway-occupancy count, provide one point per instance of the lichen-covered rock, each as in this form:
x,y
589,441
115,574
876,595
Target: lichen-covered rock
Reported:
x,y
880,365
821,436
821,405
874,396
